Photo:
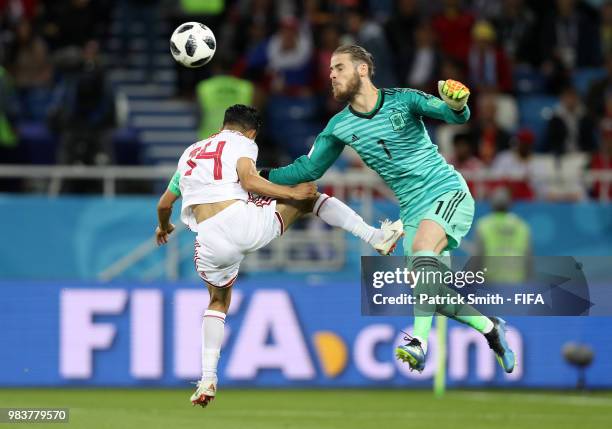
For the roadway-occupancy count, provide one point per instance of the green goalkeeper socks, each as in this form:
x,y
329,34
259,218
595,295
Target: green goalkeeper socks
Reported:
x,y
429,262
479,322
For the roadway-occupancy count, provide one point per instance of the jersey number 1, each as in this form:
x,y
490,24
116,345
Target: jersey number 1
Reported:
x,y
202,154
384,146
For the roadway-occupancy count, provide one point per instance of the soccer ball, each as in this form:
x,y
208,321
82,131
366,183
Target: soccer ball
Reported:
x,y
193,44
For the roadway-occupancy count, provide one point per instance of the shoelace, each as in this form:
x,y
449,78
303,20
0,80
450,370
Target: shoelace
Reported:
x,y
411,340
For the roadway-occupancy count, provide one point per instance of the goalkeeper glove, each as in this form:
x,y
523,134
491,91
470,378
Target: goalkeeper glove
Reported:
x,y
454,93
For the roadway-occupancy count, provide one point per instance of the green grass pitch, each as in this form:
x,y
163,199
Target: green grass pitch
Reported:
x,y
316,409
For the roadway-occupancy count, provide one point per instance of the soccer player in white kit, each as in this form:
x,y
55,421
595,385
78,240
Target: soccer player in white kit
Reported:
x,y
217,180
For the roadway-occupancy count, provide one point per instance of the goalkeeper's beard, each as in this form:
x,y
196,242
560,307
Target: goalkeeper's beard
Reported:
x,y
353,86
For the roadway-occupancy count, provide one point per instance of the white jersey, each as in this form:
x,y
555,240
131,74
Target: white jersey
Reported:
x,y
207,173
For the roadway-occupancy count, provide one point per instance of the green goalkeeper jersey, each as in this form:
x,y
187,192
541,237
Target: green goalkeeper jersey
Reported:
x,y
392,141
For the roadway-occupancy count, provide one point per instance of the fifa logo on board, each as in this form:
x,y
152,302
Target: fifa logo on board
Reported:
x,y
279,342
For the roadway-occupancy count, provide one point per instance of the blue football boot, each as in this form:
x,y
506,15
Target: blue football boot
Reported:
x,y
497,342
412,352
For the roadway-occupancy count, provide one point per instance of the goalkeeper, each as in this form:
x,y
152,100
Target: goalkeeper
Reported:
x,y
385,127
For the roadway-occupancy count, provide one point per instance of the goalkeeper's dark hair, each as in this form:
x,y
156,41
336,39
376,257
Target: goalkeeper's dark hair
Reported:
x,y
358,55
246,117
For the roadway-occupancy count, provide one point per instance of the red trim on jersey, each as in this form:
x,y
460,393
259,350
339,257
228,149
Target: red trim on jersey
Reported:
x,y
228,284
280,220
321,205
202,274
196,246
260,201
212,315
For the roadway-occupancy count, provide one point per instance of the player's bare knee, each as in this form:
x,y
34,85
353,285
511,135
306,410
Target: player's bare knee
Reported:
x,y
308,205
420,245
219,298
429,244
303,206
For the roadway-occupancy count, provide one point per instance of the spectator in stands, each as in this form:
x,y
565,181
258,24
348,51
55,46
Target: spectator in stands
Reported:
x,y
84,114
601,161
71,23
284,62
400,33
9,110
570,129
570,36
13,11
424,70
328,42
488,68
463,158
606,28
518,169
600,91
486,9
515,30
452,69
250,23
453,26
367,33
289,56
30,66
488,137
318,14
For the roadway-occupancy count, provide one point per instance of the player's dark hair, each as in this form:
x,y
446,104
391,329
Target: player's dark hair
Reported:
x,y
245,117
358,55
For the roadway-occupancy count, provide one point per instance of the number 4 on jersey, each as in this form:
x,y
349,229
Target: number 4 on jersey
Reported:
x,y
201,153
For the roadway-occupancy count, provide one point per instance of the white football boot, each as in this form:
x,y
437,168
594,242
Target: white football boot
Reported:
x,y
392,232
205,392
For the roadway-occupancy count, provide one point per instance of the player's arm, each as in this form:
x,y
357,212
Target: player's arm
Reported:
x,y
452,108
306,168
251,181
164,210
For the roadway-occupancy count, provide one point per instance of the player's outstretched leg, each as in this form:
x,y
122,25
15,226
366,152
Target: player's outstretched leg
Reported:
x,y
493,328
335,213
213,327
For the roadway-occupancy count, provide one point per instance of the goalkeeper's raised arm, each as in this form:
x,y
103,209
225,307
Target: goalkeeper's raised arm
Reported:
x,y
452,108
325,150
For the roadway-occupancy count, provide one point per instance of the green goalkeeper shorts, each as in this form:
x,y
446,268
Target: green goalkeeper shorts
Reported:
x,y
453,211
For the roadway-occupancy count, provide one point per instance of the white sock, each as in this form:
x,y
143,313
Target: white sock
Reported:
x,y
489,326
213,326
335,213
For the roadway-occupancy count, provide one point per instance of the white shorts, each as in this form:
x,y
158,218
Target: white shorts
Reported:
x,y
224,239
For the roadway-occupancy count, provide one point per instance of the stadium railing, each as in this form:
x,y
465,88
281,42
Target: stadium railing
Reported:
x,y
300,249
340,181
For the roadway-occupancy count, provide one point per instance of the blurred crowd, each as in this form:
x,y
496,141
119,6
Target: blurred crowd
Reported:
x,y
540,73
